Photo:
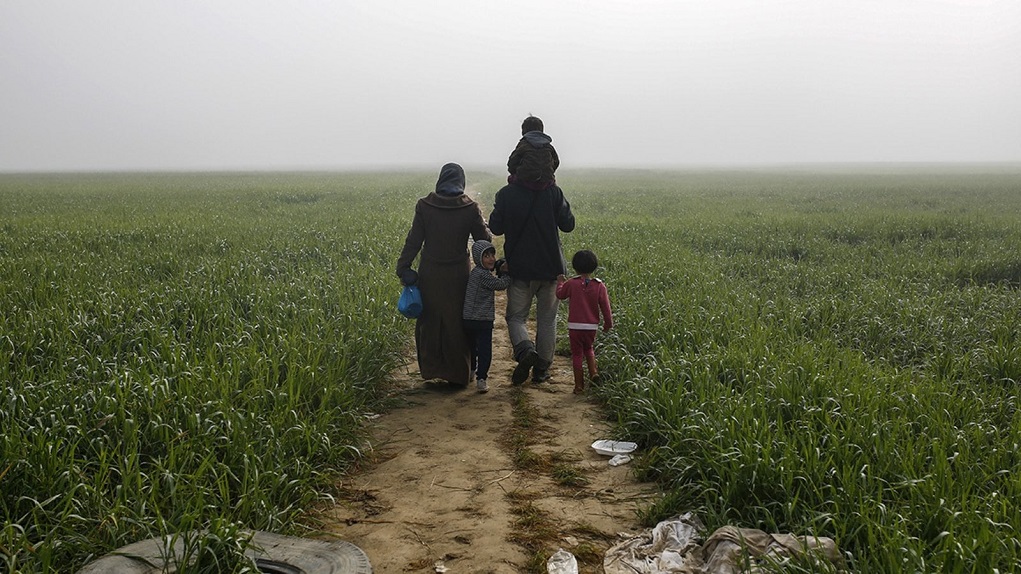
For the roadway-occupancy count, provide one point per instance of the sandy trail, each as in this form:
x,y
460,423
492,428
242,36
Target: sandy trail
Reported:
x,y
441,489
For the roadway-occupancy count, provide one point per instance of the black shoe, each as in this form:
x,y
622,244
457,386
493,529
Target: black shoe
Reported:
x,y
520,373
540,376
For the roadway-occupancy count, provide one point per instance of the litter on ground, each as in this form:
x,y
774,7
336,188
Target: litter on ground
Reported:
x,y
613,447
620,459
562,562
675,546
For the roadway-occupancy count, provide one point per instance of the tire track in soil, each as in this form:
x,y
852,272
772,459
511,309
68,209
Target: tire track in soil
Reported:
x,y
436,482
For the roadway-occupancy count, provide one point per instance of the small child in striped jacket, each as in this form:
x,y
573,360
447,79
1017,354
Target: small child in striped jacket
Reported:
x,y
480,308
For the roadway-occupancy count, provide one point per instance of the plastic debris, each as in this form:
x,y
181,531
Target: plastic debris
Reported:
x,y
613,447
620,459
562,562
676,546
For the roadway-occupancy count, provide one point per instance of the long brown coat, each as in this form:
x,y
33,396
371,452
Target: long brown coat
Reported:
x,y
440,231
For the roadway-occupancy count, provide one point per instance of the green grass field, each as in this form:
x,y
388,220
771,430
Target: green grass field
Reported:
x,y
823,352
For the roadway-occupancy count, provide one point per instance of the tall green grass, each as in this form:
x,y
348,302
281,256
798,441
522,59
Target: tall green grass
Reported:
x,y
185,351
825,353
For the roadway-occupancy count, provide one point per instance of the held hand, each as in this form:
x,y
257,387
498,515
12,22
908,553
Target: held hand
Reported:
x,y
409,277
561,279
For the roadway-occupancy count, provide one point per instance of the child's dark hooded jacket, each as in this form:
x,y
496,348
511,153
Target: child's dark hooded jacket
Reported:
x,y
534,159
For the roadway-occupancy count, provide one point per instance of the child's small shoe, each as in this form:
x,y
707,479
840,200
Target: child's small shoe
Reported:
x,y
481,385
579,388
595,379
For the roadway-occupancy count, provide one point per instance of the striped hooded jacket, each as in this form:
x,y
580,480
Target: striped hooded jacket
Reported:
x,y
478,298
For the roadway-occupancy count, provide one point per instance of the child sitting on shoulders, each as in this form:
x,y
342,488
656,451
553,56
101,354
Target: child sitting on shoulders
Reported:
x,y
534,160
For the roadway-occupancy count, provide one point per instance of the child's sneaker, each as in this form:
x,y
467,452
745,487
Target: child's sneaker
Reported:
x,y
482,386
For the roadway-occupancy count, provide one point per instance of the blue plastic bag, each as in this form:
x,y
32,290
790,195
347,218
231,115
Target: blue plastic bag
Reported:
x,y
410,303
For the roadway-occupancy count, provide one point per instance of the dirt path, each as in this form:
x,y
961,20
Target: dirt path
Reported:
x,y
490,482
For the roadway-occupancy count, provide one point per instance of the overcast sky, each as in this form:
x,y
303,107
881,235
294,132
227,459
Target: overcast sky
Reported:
x,y
259,84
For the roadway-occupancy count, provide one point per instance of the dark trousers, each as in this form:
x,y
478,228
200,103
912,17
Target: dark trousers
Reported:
x,y
480,341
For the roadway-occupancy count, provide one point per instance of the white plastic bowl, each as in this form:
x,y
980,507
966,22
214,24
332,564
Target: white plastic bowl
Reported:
x,y
613,447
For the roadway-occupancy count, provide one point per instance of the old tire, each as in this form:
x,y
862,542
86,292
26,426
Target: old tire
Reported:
x,y
273,553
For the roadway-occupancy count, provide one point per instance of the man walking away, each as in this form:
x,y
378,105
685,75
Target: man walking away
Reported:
x,y
530,220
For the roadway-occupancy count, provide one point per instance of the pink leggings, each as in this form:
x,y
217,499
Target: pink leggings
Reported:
x,y
581,347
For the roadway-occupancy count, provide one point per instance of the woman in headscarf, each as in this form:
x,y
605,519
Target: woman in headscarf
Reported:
x,y
444,220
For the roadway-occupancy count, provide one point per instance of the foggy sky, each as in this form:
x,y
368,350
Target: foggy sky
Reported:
x,y
259,84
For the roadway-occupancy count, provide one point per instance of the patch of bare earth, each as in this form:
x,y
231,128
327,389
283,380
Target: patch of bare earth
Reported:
x,y
495,482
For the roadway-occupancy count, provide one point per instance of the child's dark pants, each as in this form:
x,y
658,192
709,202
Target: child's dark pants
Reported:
x,y
480,341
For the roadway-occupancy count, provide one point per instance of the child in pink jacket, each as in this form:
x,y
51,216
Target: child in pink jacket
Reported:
x,y
588,298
